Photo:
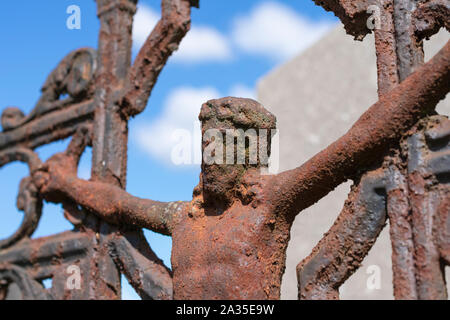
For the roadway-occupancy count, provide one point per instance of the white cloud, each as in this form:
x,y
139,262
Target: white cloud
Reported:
x,y
144,22
242,91
276,31
181,111
201,44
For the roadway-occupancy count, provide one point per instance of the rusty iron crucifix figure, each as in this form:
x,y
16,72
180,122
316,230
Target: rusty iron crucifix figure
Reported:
x,y
230,241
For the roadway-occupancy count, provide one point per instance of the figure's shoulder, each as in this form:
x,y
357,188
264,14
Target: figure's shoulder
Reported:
x,y
256,178
179,210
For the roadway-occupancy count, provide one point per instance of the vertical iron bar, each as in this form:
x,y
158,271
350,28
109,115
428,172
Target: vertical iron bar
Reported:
x,y
110,138
399,212
397,56
409,51
386,50
111,128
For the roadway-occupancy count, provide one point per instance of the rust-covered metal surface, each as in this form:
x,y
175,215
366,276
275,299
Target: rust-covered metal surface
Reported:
x,y
230,241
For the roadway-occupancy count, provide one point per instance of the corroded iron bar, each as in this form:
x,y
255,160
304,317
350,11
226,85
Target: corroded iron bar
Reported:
x,y
30,203
430,278
427,197
159,46
321,274
26,288
413,21
399,212
38,256
409,51
114,59
28,199
443,235
110,134
48,128
404,281
344,246
352,13
143,269
385,46
20,154
430,17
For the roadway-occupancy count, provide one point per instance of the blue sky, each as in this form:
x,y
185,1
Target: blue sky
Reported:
x,y
232,44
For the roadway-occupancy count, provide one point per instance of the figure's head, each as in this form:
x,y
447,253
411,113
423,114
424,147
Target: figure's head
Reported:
x,y
236,136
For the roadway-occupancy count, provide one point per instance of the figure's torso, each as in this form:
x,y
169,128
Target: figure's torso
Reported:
x,y
236,255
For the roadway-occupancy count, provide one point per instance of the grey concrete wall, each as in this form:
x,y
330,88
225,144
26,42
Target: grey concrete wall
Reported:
x,y
317,97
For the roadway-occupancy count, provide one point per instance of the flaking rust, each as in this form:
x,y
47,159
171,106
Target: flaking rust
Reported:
x,y
230,240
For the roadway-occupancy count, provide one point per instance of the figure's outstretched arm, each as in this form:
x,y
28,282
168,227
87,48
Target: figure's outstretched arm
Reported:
x,y
58,182
380,127
117,206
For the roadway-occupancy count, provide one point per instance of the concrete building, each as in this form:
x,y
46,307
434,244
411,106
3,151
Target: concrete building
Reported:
x,y
317,97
